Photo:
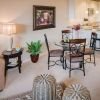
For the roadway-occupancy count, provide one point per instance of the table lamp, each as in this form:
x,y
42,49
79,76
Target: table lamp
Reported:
x,y
9,29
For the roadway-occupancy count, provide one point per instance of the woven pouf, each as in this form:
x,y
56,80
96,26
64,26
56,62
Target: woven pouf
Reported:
x,y
76,92
44,88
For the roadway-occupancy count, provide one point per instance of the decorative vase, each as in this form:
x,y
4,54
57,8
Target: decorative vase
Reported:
x,y
77,28
44,88
34,58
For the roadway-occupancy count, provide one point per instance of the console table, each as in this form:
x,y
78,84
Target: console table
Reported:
x,y
11,55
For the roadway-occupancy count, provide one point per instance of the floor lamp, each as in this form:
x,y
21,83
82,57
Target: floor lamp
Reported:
x,y
9,29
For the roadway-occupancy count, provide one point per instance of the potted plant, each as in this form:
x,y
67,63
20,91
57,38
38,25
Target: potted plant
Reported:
x,y
34,48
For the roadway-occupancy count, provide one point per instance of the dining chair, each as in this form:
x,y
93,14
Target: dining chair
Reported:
x,y
91,49
65,33
75,55
58,53
65,37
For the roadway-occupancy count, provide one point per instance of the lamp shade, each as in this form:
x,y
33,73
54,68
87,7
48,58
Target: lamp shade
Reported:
x,y
9,28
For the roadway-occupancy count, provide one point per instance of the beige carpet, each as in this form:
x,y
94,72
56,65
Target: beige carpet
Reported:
x,y
22,96
20,83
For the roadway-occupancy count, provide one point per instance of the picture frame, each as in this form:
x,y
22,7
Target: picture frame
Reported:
x,y
43,17
90,11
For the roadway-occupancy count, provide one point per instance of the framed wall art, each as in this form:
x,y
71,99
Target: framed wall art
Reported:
x,y
43,17
90,11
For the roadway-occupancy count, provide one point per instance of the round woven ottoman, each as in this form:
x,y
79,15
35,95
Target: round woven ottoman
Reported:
x,y
76,92
46,88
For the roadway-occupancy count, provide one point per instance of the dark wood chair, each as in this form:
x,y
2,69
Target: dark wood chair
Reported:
x,y
54,53
65,38
65,32
75,55
91,50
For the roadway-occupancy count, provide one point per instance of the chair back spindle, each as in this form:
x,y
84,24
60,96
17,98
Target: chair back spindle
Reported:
x,y
77,47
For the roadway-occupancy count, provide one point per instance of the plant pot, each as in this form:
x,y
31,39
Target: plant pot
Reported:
x,y
34,58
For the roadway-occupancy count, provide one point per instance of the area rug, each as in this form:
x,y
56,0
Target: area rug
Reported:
x,y
28,96
23,96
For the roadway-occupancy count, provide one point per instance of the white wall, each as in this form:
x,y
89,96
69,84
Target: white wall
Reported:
x,y
21,12
77,10
71,9
81,7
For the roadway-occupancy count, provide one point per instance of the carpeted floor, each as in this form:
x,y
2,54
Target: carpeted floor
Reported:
x,y
22,96
20,83
29,96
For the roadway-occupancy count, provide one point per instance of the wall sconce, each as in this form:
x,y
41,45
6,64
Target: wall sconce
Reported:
x,y
96,11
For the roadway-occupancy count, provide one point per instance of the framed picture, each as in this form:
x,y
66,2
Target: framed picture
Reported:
x,y
90,11
43,17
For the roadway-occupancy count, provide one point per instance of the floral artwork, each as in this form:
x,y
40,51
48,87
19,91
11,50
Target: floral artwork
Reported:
x,y
44,17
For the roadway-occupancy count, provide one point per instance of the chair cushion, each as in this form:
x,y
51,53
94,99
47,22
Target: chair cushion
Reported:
x,y
56,53
74,57
88,51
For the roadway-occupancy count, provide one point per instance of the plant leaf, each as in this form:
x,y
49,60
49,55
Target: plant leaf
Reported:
x,y
34,47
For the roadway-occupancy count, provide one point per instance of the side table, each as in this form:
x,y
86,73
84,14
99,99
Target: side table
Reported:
x,y
11,55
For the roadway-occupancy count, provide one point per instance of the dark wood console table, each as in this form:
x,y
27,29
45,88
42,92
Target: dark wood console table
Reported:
x,y
11,55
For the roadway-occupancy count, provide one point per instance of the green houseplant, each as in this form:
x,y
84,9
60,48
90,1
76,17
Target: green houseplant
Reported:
x,y
34,48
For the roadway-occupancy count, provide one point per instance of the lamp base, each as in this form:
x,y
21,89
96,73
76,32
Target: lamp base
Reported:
x,y
11,44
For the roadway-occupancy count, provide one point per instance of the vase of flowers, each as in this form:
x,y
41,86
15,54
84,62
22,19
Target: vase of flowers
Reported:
x,y
77,28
